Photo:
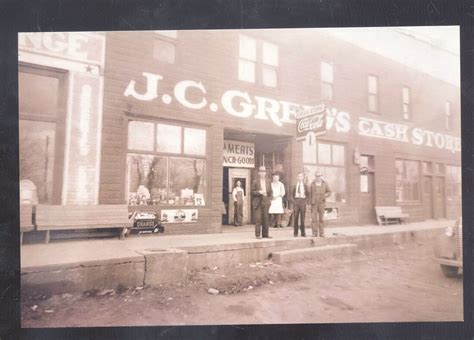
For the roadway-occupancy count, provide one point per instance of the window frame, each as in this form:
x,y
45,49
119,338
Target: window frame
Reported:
x,y
419,180
449,183
168,155
371,94
166,39
448,115
330,84
59,120
408,104
332,164
259,64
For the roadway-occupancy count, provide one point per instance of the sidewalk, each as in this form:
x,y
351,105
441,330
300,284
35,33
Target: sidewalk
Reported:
x,y
73,252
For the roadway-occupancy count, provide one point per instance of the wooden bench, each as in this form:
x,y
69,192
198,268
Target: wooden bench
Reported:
x,y
26,220
74,217
390,215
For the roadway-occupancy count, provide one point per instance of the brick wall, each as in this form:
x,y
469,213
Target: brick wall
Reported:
x,y
211,57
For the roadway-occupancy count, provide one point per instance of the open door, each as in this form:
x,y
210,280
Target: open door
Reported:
x,y
242,175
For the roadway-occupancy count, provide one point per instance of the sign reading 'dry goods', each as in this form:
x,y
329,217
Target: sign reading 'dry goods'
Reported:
x,y
179,215
243,105
312,120
239,154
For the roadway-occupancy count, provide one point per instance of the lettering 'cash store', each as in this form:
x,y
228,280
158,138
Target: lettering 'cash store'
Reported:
x,y
185,114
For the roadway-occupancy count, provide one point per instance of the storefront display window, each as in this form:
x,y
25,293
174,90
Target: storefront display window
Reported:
x,y
453,182
40,110
156,178
329,159
407,181
37,141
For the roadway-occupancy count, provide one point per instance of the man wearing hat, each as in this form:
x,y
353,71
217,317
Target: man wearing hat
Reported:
x,y
261,194
319,191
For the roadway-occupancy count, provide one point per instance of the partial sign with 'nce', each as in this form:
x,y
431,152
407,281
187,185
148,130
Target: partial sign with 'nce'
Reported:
x,y
239,154
311,120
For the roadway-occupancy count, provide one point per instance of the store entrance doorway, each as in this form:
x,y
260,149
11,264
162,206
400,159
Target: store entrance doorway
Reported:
x,y
242,175
428,197
439,197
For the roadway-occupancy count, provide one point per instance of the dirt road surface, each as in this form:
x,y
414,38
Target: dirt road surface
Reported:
x,y
396,283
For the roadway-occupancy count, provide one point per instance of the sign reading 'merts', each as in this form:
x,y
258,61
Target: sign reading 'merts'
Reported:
x,y
239,154
311,121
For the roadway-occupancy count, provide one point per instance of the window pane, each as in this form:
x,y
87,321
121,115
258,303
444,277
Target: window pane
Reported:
x,y
269,77
140,135
309,152
169,33
146,179
427,167
248,48
270,54
38,94
372,103
247,71
447,108
187,178
37,142
195,141
338,154
335,177
364,183
407,182
372,84
406,95
324,153
326,91
164,51
326,72
364,162
168,138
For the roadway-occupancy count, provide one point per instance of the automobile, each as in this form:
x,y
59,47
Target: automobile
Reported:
x,y
448,249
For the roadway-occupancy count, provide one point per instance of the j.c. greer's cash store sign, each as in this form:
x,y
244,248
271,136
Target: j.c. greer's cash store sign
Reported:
x,y
241,104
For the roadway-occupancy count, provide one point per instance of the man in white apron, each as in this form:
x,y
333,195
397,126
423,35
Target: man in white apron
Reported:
x,y
276,206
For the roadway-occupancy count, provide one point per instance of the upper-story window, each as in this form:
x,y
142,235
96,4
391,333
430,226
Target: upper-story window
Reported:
x,y
164,46
373,93
327,80
258,61
406,103
447,115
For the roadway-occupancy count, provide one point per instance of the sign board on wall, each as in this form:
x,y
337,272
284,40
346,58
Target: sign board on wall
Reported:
x,y
239,154
179,215
311,121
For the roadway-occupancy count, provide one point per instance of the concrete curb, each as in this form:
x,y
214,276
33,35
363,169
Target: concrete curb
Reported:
x,y
288,256
157,266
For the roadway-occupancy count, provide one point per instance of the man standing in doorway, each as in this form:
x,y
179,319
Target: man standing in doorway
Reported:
x,y
319,192
238,198
261,193
299,196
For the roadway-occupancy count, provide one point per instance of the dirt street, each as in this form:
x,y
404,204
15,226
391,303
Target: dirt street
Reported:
x,y
398,283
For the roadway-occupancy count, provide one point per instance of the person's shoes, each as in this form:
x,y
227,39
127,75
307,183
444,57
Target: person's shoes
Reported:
x,y
322,236
258,236
303,235
267,237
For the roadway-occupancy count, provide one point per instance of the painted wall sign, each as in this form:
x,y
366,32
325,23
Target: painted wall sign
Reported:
x,y
179,215
73,45
312,120
239,154
241,104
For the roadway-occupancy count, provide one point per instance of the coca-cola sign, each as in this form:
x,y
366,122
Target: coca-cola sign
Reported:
x,y
312,120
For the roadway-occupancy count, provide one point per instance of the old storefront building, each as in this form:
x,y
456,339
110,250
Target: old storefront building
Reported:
x,y
168,121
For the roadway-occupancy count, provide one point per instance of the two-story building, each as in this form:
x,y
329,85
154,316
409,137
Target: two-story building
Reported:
x,y
185,114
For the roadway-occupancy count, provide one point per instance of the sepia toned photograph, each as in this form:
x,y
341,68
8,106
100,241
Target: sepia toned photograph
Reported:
x,y
240,176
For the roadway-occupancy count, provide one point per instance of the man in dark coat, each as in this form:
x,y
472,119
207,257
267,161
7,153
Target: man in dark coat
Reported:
x,y
261,199
319,192
299,197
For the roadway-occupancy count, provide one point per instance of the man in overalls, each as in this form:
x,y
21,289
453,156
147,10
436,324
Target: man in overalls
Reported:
x,y
319,191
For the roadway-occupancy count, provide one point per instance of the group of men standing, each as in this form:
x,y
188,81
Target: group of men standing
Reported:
x,y
300,196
